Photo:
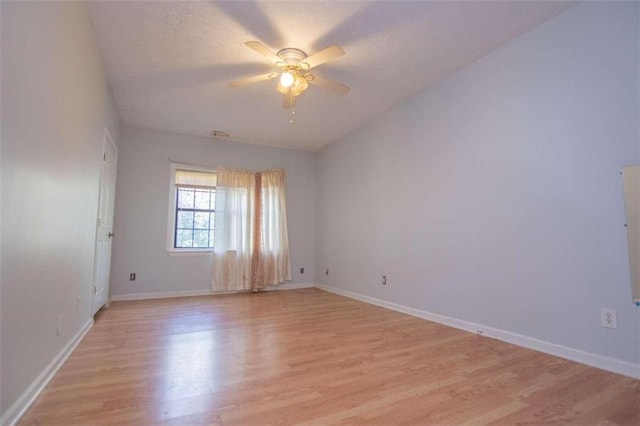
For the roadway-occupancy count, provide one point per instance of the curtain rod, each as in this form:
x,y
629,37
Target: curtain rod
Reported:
x,y
187,163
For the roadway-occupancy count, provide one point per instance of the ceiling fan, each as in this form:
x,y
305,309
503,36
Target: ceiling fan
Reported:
x,y
294,72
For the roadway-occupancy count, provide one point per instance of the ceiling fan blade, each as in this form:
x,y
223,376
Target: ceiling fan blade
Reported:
x,y
321,57
326,83
254,79
289,100
264,51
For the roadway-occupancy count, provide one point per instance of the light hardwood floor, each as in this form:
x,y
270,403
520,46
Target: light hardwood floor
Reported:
x,y
312,357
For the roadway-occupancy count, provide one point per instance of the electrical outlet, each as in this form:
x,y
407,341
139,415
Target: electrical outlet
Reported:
x,y
608,318
132,276
302,270
59,328
384,280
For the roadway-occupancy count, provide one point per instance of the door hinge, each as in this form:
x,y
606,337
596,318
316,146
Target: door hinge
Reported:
x,y
104,156
95,290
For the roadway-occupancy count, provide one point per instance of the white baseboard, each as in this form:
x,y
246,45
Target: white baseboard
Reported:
x,y
159,295
202,292
17,410
289,286
605,363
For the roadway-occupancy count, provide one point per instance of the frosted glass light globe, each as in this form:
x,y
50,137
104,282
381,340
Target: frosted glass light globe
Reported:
x,y
286,79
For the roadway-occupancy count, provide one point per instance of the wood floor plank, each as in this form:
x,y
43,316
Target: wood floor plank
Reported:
x,y
312,357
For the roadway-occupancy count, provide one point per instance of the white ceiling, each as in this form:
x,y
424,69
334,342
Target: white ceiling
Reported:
x,y
168,63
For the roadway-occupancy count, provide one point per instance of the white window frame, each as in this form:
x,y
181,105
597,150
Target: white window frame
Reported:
x,y
171,218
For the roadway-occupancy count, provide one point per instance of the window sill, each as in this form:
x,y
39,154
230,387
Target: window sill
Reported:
x,y
186,252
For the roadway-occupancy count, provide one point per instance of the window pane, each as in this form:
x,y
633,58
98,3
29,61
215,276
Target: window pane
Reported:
x,y
201,238
213,199
211,238
184,238
185,220
201,220
185,198
212,221
202,199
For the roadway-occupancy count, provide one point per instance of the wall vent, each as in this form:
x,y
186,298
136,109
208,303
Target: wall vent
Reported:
x,y
219,134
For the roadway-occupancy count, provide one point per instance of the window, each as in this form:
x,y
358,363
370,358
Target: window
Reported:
x,y
194,217
191,209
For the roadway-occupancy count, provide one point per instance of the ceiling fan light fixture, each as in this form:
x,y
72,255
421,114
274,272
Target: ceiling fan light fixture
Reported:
x,y
299,86
280,88
293,74
287,79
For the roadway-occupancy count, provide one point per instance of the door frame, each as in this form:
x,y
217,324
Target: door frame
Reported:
x,y
106,139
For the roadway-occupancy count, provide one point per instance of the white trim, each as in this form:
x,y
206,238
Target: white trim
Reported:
x,y
289,286
159,295
189,252
22,404
594,360
200,292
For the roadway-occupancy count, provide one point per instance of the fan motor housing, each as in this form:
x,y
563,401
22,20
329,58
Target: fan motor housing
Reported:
x,y
291,56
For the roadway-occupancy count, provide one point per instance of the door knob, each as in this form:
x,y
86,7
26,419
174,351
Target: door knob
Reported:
x,y
111,234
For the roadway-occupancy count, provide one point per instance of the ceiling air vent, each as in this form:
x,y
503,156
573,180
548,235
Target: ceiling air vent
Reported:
x,y
219,134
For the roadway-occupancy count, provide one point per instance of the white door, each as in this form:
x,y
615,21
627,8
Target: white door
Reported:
x,y
104,234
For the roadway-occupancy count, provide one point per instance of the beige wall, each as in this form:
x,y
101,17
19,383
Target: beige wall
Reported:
x,y
55,105
495,197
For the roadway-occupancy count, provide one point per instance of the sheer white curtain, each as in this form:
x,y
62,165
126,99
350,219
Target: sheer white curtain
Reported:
x,y
233,230
251,248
